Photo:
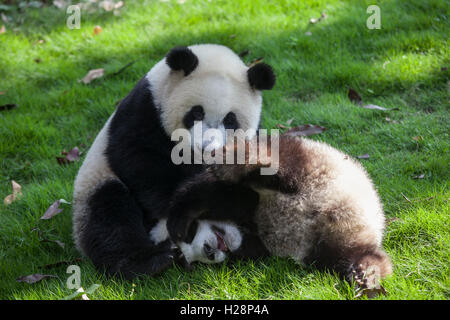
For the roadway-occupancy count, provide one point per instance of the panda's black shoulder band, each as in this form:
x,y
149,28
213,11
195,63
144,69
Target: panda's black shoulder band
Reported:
x,y
261,76
182,58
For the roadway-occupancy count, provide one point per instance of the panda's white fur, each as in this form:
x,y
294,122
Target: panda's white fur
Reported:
x,y
94,170
194,251
219,84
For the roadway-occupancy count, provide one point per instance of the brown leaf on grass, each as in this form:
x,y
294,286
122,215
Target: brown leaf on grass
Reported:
x,y
71,156
305,130
282,126
17,192
2,29
364,156
356,99
33,278
97,30
373,106
417,138
93,74
2,92
54,209
8,106
255,62
405,197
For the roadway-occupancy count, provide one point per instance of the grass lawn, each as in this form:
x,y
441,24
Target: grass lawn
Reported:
x,y
402,65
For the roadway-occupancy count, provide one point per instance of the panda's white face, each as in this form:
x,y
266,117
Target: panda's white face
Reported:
x,y
212,242
216,93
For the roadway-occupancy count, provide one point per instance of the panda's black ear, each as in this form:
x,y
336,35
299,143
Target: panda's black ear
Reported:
x,y
182,58
261,76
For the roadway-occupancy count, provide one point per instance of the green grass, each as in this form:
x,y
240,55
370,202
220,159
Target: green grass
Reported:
x,y
56,112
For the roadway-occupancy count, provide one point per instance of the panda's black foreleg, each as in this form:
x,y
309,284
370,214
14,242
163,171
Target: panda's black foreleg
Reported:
x,y
204,197
114,237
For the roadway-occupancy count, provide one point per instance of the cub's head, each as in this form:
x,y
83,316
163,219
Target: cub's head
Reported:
x,y
207,86
210,241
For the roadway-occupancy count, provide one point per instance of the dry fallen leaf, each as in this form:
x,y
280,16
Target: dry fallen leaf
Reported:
x,y
97,30
373,106
17,192
364,156
282,126
33,278
2,29
356,99
255,62
417,138
2,92
93,74
54,209
305,130
71,156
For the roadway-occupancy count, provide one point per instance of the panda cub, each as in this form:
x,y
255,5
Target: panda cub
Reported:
x,y
319,208
128,177
207,242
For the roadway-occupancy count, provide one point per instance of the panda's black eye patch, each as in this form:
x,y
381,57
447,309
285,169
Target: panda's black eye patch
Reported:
x,y
230,121
195,114
191,232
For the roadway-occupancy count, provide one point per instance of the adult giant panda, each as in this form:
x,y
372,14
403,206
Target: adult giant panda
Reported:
x,y
320,207
128,176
